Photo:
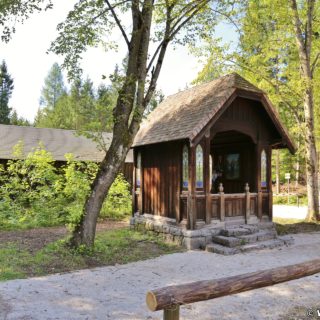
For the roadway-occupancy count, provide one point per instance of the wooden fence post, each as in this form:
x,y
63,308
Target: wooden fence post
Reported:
x,y
222,203
172,313
247,191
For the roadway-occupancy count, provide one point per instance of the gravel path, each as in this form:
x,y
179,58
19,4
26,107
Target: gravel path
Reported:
x,y
119,292
294,212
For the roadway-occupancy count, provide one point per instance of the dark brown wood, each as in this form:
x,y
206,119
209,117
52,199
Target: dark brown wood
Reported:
x,y
192,213
171,313
207,178
210,289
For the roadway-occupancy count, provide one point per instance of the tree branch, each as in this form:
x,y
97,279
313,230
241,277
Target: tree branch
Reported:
x,y
118,23
315,63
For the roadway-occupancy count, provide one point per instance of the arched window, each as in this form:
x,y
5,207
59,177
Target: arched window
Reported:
x,y
263,169
185,167
199,167
138,170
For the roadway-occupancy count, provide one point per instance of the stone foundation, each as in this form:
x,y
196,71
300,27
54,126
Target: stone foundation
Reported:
x,y
178,234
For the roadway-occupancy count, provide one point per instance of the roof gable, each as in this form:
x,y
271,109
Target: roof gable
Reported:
x,y
184,115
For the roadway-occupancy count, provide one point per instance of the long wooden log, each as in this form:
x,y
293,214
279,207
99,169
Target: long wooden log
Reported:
x,y
209,289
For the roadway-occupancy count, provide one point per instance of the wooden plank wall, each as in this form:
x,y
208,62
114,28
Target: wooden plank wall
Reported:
x,y
161,179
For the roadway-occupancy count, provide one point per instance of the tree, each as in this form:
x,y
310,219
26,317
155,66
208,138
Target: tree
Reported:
x,y
53,87
13,12
6,88
157,21
303,24
18,121
272,55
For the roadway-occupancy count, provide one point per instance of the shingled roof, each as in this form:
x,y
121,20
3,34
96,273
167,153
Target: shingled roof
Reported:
x,y
57,141
184,114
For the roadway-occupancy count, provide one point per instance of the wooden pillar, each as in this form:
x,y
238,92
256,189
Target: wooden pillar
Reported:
x,y
222,203
258,179
192,214
269,177
134,204
247,192
207,176
140,201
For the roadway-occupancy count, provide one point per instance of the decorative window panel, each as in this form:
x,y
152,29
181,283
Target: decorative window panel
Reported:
x,y
138,170
185,167
199,167
263,169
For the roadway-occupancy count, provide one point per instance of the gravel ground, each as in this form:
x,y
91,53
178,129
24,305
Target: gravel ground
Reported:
x,y
294,212
118,292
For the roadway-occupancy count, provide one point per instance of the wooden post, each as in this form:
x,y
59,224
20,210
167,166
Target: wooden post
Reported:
x,y
247,191
222,203
168,297
134,204
258,178
207,178
191,209
172,313
269,176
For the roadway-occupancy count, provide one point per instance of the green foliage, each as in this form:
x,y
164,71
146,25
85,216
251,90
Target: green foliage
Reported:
x,y
34,192
6,88
15,11
53,87
118,202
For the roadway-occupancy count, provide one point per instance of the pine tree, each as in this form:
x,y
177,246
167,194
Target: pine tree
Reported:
x,y
53,87
6,88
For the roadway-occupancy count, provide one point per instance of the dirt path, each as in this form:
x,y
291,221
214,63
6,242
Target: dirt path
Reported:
x,y
118,292
35,239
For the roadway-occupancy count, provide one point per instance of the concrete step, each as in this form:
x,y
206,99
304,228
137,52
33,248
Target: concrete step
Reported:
x,y
235,232
230,242
269,244
259,236
217,248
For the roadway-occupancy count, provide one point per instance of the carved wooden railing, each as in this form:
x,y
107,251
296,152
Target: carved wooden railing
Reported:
x,y
170,298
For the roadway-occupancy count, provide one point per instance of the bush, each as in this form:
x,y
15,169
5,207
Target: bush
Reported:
x,y
118,202
33,192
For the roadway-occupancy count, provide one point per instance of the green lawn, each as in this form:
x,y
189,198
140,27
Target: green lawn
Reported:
x,y
112,247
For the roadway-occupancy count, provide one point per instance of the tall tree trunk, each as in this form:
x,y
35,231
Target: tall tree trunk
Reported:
x,y
123,132
304,45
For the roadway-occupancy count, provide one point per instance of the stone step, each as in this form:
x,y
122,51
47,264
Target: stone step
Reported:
x,y
218,248
259,236
230,242
235,232
269,244
266,225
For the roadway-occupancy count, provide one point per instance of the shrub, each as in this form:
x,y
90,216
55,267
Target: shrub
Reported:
x,y
33,192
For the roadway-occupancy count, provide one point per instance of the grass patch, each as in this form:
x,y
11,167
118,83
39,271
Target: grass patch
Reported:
x,y
287,226
293,200
112,247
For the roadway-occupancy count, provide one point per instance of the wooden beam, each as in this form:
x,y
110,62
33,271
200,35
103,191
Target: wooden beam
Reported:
x,y
210,289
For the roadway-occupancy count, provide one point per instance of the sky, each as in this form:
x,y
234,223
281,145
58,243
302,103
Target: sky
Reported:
x,y
28,63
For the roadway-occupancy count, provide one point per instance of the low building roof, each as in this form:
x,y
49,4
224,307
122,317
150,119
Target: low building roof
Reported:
x,y
56,141
184,114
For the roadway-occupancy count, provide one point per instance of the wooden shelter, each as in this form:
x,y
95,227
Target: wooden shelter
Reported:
x,y
203,156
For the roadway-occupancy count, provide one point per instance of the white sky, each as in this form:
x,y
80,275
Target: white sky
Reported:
x,y
29,64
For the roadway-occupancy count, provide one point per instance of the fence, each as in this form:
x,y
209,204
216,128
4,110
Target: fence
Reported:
x,y
170,298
